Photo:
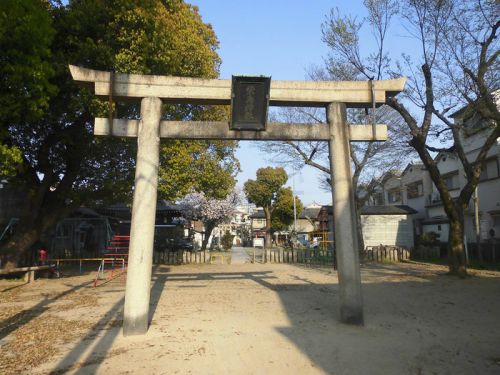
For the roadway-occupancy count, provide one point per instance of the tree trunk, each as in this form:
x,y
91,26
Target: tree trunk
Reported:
x,y
208,232
359,231
456,250
43,206
454,211
33,223
359,201
18,247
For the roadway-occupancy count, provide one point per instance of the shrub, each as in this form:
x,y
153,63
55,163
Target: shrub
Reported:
x,y
227,241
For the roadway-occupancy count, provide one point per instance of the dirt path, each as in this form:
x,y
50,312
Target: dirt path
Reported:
x,y
282,319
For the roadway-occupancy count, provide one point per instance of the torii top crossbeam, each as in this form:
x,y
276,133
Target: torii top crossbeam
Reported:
x,y
218,91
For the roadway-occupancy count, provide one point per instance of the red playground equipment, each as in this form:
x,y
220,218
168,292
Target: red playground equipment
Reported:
x,y
114,263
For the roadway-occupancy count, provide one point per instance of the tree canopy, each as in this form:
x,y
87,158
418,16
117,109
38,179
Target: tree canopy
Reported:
x,y
26,34
208,167
283,214
62,164
265,192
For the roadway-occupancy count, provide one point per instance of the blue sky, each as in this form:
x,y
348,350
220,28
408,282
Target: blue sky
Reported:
x,y
281,39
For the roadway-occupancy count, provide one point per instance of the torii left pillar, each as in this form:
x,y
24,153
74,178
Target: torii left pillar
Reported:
x,y
138,287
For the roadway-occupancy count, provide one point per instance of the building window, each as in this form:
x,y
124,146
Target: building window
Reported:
x,y
394,195
451,180
491,170
496,221
415,189
378,199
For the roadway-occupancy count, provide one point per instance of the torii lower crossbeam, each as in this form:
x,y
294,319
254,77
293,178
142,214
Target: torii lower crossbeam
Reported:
x,y
220,130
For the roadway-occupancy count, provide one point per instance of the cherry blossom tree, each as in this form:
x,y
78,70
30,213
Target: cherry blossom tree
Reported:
x,y
210,211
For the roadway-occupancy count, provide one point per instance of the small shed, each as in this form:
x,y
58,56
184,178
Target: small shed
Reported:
x,y
390,225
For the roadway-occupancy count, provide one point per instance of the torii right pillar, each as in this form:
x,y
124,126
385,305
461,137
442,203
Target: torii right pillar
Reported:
x,y
344,217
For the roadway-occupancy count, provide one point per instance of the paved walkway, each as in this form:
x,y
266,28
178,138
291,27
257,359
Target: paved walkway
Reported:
x,y
239,255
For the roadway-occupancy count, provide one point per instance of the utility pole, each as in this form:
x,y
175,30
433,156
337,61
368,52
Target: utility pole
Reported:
x,y
295,205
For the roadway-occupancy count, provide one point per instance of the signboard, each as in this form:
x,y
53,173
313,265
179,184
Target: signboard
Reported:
x,y
249,102
258,242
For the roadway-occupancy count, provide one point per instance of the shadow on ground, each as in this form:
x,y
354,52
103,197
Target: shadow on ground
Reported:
x,y
417,323
26,315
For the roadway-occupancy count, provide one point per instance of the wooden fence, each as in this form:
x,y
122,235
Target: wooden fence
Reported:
x,y
385,254
304,256
280,255
188,257
327,257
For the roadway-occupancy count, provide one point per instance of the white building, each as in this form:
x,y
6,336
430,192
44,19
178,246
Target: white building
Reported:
x,y
388,225
239,227
413,187
473,136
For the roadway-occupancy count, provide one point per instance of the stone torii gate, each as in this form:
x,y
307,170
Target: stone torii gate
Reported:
x,y
152,90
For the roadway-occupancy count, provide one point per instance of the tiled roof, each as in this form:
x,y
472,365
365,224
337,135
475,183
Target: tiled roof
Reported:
x,y
388,210
258,215
310,213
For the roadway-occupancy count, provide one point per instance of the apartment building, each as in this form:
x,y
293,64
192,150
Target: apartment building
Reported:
x,y
413,186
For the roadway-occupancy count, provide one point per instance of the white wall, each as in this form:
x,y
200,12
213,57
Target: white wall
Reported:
x,y
441,229
392,230
303,226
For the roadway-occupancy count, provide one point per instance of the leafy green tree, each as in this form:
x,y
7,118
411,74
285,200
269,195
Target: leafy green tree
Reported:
x,y
227,241
264,192
283,216
62,164
9,158
208,167
26,34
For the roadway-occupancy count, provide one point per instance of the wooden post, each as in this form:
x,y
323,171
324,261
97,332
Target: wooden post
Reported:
x,y
344,213
29,276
